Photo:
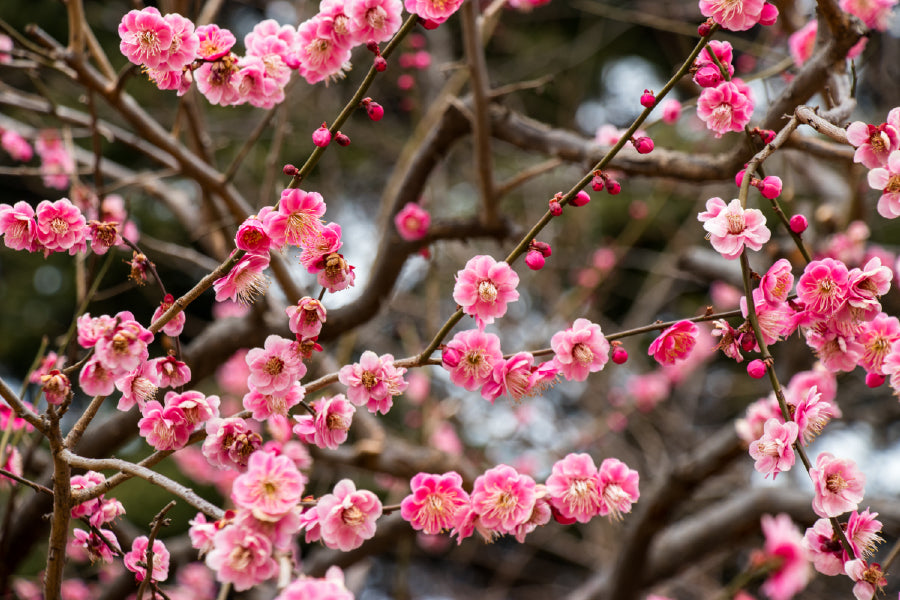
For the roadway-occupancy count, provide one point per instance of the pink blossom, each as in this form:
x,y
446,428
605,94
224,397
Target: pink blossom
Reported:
x,y
164,428
484,287
725,107
865,287
264,406
275,367
785,544
618,488
823,287
123,348
412,221
839,485
197,408
503,499
751,427
675,343
671,111
875,14
470,358
214,80
518,377
18,227
862,533
773,452
86,481
776,320
575,489
214,42
245,281
298,218
241,556
540,514
776,284
270,487
185,44
16,146
146,37
170,371
306,318
888,181
802,42
874,143
252,237
580,350
268,38
60,227
311,588
838,351
824,381
229,443
869,578
433,10
707,69
138,387
329,427
95,379
436,502
811,414
732,227
347,516
175,325
320,246
375,20
373,381
138,554
734,15
253,85
322,55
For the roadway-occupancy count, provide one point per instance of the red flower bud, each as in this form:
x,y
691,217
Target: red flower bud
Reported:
x,y
874,380
380,64
648,100
534,260
756,369
581,198
798,224
597,183
613,187
341,139
290,170
643,145
770,187
555,208
619,355
321,137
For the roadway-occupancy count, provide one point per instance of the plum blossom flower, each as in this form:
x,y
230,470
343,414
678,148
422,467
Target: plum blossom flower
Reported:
x,y
776,284
732,227
305,319
146,37
98,548
373,381
138,554
811,414
839,485
888,181
433,10
503,498
242,556
675,343
264,406
575,488
328,429
518,377
185,43
875,143
347,516
230,443
725,107
245,281
375,20
734,15
321,54
580,350
435,503
214,42
252,237
275,367
60,227
17,226
618,488
877,337
270,487
412,221
773,452
175,325
484,287
785,544
874,13
470,357
823,287
331,587
869,578
164,428
170,372
706,71
16,146
137,387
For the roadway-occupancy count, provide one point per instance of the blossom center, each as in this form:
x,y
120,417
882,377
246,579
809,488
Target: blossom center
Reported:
x,y
318,50
336,422
583,353
148,41
342,24
487,291
59,226
736,223
353,516
893,185
376,17
274,366
721,117
836,484
368,380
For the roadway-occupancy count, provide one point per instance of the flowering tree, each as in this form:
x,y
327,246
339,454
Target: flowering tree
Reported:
x,y
314,403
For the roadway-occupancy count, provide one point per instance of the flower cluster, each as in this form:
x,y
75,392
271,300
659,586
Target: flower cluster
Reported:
x,y
725,104
88,545
168,426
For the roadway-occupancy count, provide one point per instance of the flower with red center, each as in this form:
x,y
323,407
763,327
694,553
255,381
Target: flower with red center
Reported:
x,y
138,554
230,443
412,222
175,325
17,226
839,485
618,488
732,227
575,488
503,499
324,243
888,181
270,487
245,281
580,350
329,427
275,367
347,516
264,406
252,237
773,452
146,37
436,502
484,287
725,107
298,219
95,380
784,544
470,358
675,343
215,80
170,371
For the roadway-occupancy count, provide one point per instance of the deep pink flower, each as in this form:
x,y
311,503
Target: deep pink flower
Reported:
x,y
869,578
433,10
874,143
707,72
146,37
311,588
776,284
197,408
123,348
580,350
60,227
322,54
823,287
230,443
214,42
252,237
170,371
838,350
811,414
773,452
503,499
671,111
618,488
839,485
470,357
298,218
375,20
518,377
245,281
751,427
137,387
347,516
325,242
138,553
270,487
185,44
328,429
675,343
865,287
18,227
306,318
888,181
164,428
269,38
275,367
784,543
436,502
575,489
373,381
412,221
241,556
484,287
95,380
214,80
875,14
98,549
263,406
725,107
175,325
16,146
732,227
734,15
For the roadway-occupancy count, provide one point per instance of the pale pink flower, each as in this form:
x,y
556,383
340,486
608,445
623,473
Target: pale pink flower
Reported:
x,y
137,387
60,227
412,221
773,452
618,488
732,227
270,487
470,358
373,381
18,227
580,350
671,111
675,343
275,367
336,21
185,43
123,348
328,429
785,544
306,318
484,287
214,42
16,146
98,549
823,287
146,37
138,554
811,414
270,38
433,10
436,502
776,284
252,236
264,406
230,443
232,375
310,588
253,85
214,80
164,428
725,107
888,181
876,337
839,485
503,499
575,489
197,408
874,143
170,371
175,325
322,55
869,578
875,14
245,281
241,556
347,516
734,15
838,351
375,20
802,42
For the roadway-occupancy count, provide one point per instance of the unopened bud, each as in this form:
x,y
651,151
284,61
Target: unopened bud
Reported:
x,y
534,260
739,178
619,355
613,187
769,15
555,208
321,137
643,145
597,183
341,139
798,224
874,380
372,46
542,247
375,111
581,198
770,187
648,99
756,369
290,170
704,28
380,64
